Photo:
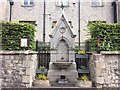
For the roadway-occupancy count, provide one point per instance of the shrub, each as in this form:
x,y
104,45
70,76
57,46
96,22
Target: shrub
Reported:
x,y
84,77
42,68
42,77
109,36
81,52
11,33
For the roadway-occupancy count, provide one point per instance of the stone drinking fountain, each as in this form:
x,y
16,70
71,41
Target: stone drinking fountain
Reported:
x,y
62,66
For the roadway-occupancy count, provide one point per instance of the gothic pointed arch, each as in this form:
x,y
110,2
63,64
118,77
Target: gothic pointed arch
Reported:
x,y
64,39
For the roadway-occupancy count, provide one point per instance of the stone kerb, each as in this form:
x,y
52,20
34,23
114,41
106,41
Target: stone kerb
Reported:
x,y
18,68
104,69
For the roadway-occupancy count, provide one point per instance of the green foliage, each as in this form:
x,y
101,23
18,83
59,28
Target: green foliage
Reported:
x,y
109,36
84,77
42,68
82,52
42,77
76,49
11,33
43,46
83,67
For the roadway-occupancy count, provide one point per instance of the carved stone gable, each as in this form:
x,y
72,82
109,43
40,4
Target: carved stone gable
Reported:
x,y
62,40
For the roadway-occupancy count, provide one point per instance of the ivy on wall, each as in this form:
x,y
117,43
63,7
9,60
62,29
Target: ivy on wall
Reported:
x,y
11,34
109,36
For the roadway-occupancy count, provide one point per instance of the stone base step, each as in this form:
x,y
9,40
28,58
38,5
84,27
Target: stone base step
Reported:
x,y
63,85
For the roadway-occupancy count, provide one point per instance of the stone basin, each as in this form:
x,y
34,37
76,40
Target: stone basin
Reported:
x,y
62,65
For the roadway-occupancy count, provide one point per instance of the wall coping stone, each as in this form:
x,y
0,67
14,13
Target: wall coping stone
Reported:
x,y
110,52
27,52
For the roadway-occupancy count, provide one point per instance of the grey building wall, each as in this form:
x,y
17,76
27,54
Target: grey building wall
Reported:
x,y
3,10
90,13
87,13
118,11
32,13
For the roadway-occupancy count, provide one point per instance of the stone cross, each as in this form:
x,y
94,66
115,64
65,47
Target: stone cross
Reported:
x,y
62,6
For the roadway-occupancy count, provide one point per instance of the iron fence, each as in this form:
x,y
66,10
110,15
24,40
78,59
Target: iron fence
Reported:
x,y
43,59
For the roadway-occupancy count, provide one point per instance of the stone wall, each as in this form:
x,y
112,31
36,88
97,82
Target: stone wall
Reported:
x,y
105,69
0,73
17,68
4,4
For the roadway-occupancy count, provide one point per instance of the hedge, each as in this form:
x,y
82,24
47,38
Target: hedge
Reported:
x,y
109,36
11,34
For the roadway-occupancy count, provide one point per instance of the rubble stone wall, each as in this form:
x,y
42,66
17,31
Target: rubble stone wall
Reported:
x,y
17,68
105,69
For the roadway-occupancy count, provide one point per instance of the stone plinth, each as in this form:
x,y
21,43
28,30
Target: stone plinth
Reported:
x,y
62,65
69,73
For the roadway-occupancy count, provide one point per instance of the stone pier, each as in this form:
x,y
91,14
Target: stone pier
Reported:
x,y
105,69
18,68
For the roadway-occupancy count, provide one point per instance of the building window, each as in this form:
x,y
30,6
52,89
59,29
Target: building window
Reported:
x,y
30,22
74,1
61,2
89,22
27,2
96,2
54,23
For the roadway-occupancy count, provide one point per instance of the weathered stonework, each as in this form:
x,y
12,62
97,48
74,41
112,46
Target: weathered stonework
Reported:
x,y
105,69
18,68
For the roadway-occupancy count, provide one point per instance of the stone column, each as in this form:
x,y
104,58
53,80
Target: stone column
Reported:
x,y
71,55
53,55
